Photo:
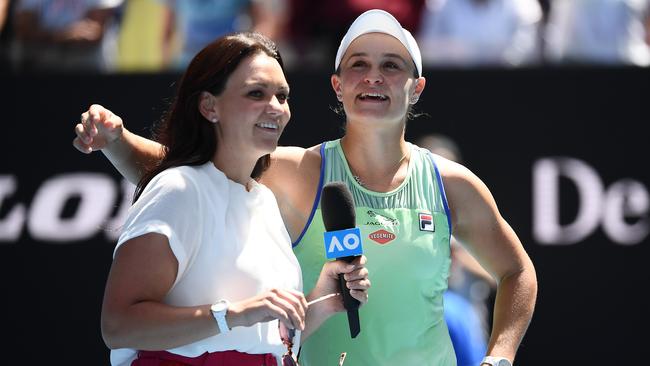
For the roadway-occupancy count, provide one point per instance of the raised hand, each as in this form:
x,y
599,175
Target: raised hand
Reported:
x,y
97,129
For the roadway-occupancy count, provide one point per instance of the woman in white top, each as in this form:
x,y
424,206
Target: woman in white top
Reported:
x,y
204,265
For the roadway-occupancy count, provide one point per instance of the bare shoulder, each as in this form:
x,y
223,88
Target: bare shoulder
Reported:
x,y
456,176
295,158
291,162
467,195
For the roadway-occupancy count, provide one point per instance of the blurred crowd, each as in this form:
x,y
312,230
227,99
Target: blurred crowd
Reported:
x,y
159,35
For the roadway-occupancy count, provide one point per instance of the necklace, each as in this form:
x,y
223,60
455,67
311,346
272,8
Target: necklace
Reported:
x,y
361,183
356,177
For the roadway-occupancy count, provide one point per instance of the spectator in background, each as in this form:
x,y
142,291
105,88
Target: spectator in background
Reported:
x,y
599,32
470,288
66,35
480,32
191,24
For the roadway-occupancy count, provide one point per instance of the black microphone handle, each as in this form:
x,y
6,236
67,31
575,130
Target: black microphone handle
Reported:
x,y
349,302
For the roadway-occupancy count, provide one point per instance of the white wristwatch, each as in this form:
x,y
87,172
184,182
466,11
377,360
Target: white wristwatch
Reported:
x,y
496,361
219,310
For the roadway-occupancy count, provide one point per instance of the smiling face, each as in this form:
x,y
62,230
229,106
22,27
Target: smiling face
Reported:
x,y
376,80
252,110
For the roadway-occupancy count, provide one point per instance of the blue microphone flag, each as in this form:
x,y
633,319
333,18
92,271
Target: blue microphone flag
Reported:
x,y
343,243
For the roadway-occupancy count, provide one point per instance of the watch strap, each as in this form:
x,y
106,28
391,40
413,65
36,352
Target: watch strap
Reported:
x,y
220,315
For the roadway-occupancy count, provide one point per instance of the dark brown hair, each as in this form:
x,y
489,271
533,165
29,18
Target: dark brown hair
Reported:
x,y
188,137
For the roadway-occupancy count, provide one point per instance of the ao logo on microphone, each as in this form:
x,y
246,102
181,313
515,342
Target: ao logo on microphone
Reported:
x,y
343,243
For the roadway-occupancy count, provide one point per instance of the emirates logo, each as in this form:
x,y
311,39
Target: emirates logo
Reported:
x,y
381,236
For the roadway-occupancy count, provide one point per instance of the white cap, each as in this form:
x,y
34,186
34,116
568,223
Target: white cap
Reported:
x,y
379,21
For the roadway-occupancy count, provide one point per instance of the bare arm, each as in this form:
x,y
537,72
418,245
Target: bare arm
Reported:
x,y
133,314
293,175
130,154
482,230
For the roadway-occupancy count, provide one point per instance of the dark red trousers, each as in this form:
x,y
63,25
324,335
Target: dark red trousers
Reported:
x,y
225,358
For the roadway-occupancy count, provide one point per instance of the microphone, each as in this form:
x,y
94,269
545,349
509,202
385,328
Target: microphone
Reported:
x,y
342,240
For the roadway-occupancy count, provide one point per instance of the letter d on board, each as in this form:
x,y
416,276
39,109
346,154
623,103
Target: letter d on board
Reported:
x,y
547,228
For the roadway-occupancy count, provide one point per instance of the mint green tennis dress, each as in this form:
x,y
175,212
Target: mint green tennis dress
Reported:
x,y
405,235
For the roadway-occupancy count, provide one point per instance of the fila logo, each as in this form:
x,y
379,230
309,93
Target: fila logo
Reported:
x,y
426,222
381,236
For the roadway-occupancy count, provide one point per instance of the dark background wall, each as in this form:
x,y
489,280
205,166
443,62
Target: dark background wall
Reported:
x,y
581,129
